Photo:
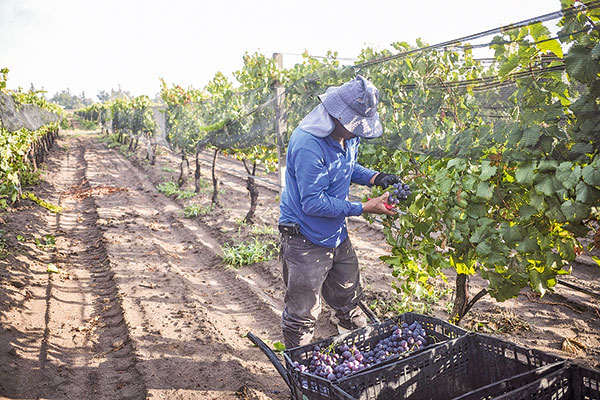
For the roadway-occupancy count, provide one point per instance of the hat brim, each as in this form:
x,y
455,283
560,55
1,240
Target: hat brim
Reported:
x,y
359,125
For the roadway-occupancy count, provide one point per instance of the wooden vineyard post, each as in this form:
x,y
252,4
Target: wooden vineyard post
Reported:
x,y
280,125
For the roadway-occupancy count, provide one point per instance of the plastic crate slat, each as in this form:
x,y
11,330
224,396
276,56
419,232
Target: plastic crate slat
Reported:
x,y
512,383
446,371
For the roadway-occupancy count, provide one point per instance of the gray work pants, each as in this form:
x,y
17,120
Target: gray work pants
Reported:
x,y
311,272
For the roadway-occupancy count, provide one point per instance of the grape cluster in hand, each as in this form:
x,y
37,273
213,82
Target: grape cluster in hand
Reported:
x,y
401,192
346,360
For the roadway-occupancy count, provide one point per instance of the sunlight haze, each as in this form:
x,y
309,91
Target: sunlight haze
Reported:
x,y
92,46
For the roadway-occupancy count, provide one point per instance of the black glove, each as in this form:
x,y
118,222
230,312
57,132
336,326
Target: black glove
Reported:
x,y
385,180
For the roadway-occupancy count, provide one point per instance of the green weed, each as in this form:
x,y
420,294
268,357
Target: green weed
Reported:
x,y
194,210
258,230
247,253
170,188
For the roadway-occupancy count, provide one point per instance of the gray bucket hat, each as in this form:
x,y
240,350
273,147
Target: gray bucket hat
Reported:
x,y
354,104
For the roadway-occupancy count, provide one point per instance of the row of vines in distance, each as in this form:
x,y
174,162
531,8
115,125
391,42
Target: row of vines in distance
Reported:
x,y
22,151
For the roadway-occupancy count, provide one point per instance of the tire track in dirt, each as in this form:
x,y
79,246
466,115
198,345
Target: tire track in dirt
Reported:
x,y
113,373
69,339
187,312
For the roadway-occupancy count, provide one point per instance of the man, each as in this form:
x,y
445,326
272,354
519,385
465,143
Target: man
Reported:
x,y
316,253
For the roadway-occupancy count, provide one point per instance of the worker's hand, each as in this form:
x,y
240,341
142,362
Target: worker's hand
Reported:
x,y
384,180
378,205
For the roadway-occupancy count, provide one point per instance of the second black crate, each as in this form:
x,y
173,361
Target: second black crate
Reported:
x,y
445,371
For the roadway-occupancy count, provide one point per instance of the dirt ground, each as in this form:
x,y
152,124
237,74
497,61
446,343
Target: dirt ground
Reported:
x,y
140,304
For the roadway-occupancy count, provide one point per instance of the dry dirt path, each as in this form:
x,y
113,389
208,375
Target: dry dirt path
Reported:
x,y
141,308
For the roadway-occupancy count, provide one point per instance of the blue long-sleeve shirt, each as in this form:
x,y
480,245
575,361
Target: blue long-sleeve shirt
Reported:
x,y
317,184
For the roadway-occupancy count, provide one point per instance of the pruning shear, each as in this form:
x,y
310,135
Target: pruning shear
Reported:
x,y
391,207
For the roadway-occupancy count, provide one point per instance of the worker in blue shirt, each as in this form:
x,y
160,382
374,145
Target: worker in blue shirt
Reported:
x,y
317,256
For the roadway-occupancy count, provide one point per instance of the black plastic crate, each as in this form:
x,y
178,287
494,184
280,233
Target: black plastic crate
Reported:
x,y
313,387
569,383
493,390
445,371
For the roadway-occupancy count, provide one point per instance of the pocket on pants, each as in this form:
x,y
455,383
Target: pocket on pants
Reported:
x,y
299,242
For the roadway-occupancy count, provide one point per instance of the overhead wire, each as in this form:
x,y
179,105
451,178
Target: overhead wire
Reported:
x,y
505,28
476,84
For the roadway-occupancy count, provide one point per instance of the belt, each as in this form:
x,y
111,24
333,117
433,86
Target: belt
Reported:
x,y
289,228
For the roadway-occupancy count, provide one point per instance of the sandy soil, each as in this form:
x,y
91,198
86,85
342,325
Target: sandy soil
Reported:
x,y
142,305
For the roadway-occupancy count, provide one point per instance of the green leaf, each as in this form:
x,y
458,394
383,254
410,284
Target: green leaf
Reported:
x,y
525,174
538,31
278,346
483,249
597,259
531,136
545,186
392,260
515,135
458,163
536,281
577,228
538,202
487,171
509,65
526,211
479,235
484,191
595,54
511,234
52,268
552,46
591,175
502,287
568,175
527,245
477,210
547,165
580,65
574,211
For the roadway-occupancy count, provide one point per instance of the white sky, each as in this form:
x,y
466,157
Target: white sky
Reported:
x,y
96,45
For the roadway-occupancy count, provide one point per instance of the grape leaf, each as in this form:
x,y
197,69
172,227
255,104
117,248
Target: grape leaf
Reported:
x,y
538,31
525,174
503,287
483,249
458,163
574,211
545,186
526,211
547,165
278,346
511,234
552,46
462,268
595,54
568,175
531,136
580,65
527,245
487,171
484,191
591,175
509,65
536,281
